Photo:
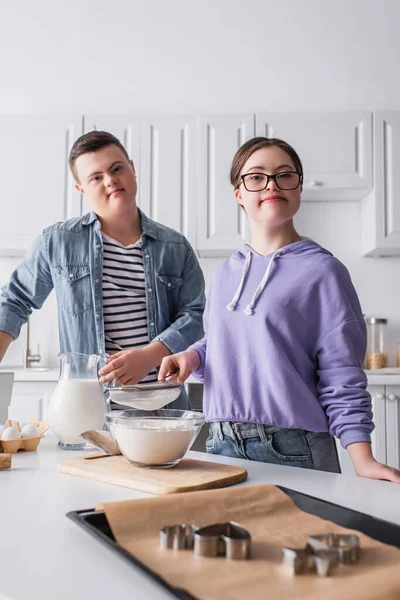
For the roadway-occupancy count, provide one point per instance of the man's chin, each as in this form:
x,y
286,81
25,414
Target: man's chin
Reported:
x,y
115,207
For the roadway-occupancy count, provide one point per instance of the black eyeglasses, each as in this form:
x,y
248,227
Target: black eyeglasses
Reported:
x,y
256,182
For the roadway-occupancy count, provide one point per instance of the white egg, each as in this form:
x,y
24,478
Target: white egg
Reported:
x,y
30,431
22,424
11,433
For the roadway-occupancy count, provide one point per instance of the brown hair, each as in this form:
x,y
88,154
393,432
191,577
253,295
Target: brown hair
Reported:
x,y
92,142
247,149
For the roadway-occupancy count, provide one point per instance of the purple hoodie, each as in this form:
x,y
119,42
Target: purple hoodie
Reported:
x,y
284,344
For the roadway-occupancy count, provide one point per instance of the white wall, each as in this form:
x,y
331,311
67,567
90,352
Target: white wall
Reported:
x,y
93,56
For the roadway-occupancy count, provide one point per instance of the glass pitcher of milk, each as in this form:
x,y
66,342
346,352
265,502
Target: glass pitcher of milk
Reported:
x,y
78,403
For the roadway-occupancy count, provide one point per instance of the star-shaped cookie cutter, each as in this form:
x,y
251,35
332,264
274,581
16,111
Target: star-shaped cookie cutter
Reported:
x,y
346,546
323,552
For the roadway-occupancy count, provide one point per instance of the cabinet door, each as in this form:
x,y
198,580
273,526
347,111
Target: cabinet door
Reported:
x,y
379,435
380,212
30,400
126,128
168,168
221,222
335,150
37,188
393,426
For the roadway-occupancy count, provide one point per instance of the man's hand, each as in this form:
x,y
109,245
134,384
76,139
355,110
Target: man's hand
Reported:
x,y
365,464
5,341
179,366
127,366
130,366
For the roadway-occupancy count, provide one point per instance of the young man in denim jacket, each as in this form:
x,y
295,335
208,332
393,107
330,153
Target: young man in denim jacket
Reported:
x,y
68,256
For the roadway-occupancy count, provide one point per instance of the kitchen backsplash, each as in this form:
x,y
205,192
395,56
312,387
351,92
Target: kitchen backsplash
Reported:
x,y
334,225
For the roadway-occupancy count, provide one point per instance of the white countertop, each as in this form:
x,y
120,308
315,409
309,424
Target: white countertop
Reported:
x,y
32,374
389,376
44,555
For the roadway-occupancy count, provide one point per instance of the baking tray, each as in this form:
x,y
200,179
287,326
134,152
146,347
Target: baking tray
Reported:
x,y
95,523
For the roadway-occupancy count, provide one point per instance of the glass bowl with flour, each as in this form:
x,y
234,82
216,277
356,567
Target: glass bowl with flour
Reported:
x,y
154,438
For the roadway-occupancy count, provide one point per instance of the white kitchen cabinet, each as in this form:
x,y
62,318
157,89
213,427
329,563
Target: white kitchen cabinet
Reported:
x,y
37,188
392,406
126,128
221,223
335,149
163,149
379,437
380,210
30,400
168,169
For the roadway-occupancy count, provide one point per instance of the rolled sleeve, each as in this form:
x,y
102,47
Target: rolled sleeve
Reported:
x,y
173,339
201,349
30,284
342,383
187,325
201,345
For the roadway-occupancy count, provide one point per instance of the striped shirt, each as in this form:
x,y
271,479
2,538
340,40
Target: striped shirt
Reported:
x,y
124,298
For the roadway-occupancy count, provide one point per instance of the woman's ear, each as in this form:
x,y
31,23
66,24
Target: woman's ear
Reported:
x,y
238,196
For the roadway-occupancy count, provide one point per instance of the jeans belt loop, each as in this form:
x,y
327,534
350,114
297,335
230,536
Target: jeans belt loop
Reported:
x,y
220,431
261,433
236,432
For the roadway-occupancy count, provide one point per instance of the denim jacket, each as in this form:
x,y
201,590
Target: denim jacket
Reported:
x,y
68,257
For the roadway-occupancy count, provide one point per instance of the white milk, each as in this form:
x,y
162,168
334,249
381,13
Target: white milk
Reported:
x,y
155,443
76,405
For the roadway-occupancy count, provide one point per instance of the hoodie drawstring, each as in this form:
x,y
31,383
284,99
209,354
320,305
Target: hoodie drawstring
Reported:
x,y
249,308
235,299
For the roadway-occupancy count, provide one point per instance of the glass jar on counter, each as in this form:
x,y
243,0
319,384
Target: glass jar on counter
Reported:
x,y
377,354
398,353
365,357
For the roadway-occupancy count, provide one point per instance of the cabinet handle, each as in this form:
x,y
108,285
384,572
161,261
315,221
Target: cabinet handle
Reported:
x,y
392,397
379,396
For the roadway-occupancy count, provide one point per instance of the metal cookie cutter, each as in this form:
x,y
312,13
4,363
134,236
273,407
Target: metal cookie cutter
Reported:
x,y
177,537
345,546
321,553
223,539
300,560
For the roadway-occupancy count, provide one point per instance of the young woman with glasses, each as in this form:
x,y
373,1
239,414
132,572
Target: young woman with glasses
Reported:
x,y
285,338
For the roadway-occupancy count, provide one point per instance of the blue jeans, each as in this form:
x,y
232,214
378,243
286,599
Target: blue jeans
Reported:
x,y
275,445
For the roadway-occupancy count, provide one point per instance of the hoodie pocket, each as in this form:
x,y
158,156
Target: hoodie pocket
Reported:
x,y
73,288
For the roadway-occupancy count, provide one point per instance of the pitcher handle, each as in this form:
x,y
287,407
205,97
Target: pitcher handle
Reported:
x,y
105,357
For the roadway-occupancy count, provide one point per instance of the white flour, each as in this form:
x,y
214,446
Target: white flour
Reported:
x,y
157,442
76,405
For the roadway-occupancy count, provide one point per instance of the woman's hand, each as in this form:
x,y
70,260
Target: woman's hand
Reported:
x,y
128,366
179,366
365,464
377,470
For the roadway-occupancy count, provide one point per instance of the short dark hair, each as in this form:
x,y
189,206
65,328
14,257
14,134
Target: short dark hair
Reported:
x,y
92,142
247,149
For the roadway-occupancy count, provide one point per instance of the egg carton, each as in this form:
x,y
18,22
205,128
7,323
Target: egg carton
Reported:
x,y
28,444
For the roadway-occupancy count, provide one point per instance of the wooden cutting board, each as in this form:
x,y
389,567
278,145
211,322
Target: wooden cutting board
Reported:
x,y
5,461
188,475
